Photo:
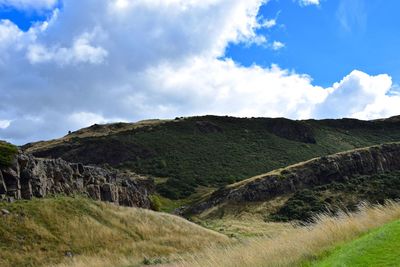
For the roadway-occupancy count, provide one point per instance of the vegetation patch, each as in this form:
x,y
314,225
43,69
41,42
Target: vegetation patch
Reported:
x,y
346,195
214,151
7,154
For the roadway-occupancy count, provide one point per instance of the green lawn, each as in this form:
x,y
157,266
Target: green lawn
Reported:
x,y
378,248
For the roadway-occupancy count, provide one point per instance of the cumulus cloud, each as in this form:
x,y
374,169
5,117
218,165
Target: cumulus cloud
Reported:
x,y
80,51
360,95
102,61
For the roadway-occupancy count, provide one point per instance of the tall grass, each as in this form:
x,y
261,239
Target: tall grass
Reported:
x,y
43,231
300,244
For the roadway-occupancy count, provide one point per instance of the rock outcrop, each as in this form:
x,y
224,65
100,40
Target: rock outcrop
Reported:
x,y
319,171
35,177
208,127
297,131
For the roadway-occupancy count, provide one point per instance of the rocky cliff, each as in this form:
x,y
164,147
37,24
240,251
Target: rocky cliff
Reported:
x,y
319,171
29,177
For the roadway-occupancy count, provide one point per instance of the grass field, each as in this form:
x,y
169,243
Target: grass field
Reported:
x,y
380,247
47,232
302,244
44,232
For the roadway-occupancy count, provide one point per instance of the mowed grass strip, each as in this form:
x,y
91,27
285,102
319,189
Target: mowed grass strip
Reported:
x,y
380,247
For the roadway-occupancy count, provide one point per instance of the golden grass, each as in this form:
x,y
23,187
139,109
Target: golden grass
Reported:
x,y
300,244
39,232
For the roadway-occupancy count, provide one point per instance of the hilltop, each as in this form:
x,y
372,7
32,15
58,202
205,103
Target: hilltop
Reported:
x,y
212,151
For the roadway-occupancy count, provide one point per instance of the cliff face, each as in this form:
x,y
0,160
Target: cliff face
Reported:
x,y
34,177
319,171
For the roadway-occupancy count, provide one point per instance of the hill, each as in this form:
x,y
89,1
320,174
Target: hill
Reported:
x,y
300,191
212,151
51,231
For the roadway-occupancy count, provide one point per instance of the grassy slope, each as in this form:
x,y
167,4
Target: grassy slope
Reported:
x,y
380,247
181,152
300,244
305,203
40,232
347,194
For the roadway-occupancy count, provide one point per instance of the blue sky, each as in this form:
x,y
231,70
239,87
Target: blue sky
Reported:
x,y
317,42
69,64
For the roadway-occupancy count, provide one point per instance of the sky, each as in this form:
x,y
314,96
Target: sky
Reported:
x,y
68,64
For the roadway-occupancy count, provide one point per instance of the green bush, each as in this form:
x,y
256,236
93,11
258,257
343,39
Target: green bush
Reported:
x,y
155,203
302,206
7,154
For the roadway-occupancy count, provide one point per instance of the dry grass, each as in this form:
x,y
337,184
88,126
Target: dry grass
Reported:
x,y
299,244
39,232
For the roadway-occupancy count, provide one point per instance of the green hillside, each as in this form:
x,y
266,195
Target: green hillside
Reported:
x,y
380,247
50,231
213,151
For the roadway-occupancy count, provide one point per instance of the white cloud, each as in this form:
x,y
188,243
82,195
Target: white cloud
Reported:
x,y
9,33
81,51
276,45
309,2
360,95
101,61
268,23
82,119
4,124
29,4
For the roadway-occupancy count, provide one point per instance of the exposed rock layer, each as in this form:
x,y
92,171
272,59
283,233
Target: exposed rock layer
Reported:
x,y
319,171
292,130
34,177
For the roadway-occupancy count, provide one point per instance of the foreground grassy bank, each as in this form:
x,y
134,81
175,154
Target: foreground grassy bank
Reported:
x,y
381,248
301,244
71,230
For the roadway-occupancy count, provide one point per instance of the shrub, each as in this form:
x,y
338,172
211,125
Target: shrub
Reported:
x,y
302,206
155,203
7,154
